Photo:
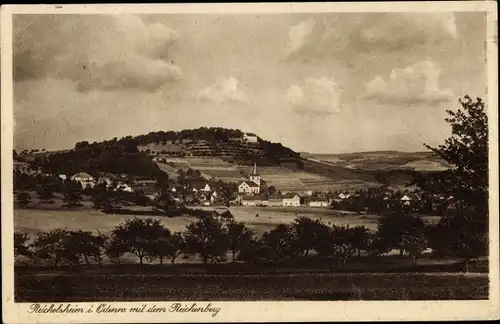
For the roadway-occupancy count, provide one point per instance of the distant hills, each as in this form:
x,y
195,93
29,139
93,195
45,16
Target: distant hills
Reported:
x,y
228,154
383,160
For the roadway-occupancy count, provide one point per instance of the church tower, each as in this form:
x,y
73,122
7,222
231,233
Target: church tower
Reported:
x,y
255,177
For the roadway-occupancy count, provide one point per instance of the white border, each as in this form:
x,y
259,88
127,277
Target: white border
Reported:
x,y
256,311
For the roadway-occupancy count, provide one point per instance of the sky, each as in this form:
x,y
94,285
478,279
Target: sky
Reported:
x,y
322,83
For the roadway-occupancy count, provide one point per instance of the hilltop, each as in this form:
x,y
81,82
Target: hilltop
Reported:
x,y
228,154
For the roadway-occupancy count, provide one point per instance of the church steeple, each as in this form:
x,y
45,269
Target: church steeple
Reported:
x,y
255,177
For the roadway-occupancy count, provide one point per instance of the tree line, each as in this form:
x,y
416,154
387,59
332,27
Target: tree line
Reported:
x,y
219,238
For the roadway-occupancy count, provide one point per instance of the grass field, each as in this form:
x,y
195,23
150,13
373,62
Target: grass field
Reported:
x,y
266,286
33,220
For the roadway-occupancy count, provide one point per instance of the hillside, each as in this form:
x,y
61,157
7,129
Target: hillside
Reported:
x,y
382,160
228,155
139,155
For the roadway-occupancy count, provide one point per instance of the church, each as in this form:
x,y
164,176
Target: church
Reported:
x,y
252,185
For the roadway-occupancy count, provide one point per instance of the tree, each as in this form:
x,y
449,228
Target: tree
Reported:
x,y
23,198
175,246
271,190
467,182
343,247
115,248
21,246
140,198
306,233
181,176
280,242
72,196
45,194
391,228
136,236
84,245
207,238
239,236
467,151
158,248
106,200
414,242
50,246
360,238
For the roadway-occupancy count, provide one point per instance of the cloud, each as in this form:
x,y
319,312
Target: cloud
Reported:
x,y
350,34
298,36
94,51
414,84
224,90
319,96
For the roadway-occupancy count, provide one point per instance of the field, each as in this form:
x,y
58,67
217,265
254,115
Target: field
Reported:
x,y
210,167
33,220
317,173
165,286
290,178
383,160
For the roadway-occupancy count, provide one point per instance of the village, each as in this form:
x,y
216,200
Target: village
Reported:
x,y
191,189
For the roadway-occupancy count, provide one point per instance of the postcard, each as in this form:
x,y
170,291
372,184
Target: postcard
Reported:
x,y
250,162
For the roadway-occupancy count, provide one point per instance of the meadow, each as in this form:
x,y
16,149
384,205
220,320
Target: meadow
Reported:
x,y
266,286
259,219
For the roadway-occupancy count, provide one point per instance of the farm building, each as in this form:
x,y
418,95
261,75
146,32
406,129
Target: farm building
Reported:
x,y
275,201
84,179
291,200
124,187
405,200
63,177
251,200
201,186
343,196
250,138
318,202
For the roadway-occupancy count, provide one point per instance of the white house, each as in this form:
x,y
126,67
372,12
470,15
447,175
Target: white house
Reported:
x,y
405,200
318,202
248,187
291,200
343,196
201,186
85,179
251,201
124,187
250,137
275,201
63,177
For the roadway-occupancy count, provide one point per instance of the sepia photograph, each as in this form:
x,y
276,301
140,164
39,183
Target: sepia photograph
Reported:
x,y
188,157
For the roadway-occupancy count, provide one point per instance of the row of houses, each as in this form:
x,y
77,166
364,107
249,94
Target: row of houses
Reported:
x,y
286,200
314,200
194,192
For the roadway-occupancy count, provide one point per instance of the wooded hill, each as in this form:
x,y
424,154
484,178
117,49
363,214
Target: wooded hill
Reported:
x,y
133,155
